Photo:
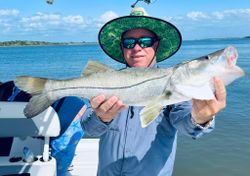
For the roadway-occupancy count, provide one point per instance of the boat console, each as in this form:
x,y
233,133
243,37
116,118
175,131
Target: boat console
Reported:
x,y
28,154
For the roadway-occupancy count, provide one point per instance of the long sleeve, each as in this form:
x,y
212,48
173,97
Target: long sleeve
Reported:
x,y
180,117
92,124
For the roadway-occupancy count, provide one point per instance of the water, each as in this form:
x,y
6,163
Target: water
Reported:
x,y
56,62
224,152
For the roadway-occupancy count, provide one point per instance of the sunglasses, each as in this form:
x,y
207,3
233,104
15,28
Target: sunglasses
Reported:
x,y
143,42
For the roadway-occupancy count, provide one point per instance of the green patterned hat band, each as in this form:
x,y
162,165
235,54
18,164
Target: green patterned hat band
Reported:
x,y
110,34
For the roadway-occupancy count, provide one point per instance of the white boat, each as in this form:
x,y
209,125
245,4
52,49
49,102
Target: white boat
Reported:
x,y
14,124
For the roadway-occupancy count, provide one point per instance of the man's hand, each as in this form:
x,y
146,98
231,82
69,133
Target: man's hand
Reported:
x,y
106,109
204,110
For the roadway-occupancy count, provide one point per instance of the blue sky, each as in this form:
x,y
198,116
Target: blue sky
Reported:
x,y
80,20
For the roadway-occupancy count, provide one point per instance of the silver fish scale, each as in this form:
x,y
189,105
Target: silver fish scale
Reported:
x,y
129,85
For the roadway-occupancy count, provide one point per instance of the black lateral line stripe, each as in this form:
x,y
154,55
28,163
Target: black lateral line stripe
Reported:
x,y
111,88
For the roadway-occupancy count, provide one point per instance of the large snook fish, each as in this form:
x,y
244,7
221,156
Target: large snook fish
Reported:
x,y
149,87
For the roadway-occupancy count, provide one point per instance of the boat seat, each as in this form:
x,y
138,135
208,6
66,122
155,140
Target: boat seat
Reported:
x,y
33,135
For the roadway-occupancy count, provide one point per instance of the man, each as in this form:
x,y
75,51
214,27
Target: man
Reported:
x,y
125,148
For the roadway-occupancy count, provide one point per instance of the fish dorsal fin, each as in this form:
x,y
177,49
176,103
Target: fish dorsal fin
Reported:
x,y
94,67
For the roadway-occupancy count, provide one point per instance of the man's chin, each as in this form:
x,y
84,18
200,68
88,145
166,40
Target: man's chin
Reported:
x,y
138,64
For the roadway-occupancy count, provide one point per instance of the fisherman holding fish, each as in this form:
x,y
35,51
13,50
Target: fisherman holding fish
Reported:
x,y
138,111
125,147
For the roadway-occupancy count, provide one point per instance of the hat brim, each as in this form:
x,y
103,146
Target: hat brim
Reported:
x,y
110,35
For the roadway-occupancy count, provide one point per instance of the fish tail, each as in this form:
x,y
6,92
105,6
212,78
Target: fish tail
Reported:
x,y
31,85
34,86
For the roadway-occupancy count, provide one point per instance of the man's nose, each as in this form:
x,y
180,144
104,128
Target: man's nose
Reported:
x,y
137,47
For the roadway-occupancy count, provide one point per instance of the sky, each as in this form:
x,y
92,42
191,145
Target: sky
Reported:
x,y
80,20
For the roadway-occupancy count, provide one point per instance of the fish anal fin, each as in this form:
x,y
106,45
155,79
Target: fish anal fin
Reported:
x,y
94,67
150,112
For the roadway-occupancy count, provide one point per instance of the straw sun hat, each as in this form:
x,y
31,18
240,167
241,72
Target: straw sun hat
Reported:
x,y
110,34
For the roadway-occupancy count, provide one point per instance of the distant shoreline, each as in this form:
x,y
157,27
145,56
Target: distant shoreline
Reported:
x,y
231,38
17,43
21,43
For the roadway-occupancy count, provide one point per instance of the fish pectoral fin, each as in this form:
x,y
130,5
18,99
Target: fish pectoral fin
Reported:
x,y
149,113
204,92
94,67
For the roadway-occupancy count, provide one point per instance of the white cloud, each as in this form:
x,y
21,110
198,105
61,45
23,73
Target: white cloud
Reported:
x,y
218,15
197,15
8,12
168,18
41,17
225,23
107,16
35,25
238,12
226,17
74,20
41,21
13,23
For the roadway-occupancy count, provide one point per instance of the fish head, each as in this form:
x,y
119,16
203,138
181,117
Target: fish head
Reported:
x,y
194,79
223,63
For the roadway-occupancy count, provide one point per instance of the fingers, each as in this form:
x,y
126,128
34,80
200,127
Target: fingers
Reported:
x,y
118,106
108,104
205,107
97,101
203,110
106,109
220,90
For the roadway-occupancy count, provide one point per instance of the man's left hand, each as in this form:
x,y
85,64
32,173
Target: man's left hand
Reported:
x,y
204,110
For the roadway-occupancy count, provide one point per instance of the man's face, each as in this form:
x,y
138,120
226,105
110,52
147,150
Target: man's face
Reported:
x,y
138,56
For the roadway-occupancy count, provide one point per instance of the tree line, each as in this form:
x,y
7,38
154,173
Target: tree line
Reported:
x,y
36,43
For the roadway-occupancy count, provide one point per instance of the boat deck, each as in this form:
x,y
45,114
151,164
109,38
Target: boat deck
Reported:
x,y
86,158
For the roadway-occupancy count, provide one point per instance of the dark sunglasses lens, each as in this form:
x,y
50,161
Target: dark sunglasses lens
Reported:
x,y
146,42
128,43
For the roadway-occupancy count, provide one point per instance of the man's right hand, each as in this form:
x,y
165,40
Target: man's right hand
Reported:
x,y
106,109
